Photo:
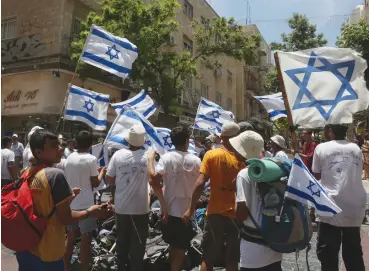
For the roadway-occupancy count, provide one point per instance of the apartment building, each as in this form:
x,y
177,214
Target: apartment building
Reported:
x,y
361,11
36,68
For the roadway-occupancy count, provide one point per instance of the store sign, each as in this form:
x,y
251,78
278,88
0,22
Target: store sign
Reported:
x,y
186,119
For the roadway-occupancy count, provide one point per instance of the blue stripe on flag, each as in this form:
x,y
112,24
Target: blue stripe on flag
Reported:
x,y
210,105
209,119
132,103
103,35
106,63
92,96
303,195
269,98
275,113
86,116
149,110
299,163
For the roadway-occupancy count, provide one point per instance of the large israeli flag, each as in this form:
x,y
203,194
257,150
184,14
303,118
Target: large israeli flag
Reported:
x,y
274,105
303,187
123,122
142,103
108,52
210,117
324,85
87,106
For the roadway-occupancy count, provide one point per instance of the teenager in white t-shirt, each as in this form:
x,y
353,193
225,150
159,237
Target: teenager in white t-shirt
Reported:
x,y
8,171
338,165
128,171
278,144
81,171
249,144
179,169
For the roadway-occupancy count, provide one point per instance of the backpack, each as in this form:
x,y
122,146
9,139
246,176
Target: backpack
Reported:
x,y
286,224
21,229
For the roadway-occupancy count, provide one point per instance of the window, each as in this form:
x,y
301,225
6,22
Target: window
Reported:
x,y
188,9
229,104
204,22
76,26
218,72
218,38
218,98
188,83
204,91
187,44
9,28
229,77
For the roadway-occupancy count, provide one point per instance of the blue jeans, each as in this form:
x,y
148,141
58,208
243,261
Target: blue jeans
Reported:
x,y
29,262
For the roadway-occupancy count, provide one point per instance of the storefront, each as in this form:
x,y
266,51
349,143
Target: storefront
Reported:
x,y
37,98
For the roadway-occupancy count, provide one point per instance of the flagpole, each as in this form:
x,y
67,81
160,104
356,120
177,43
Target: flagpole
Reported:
x,y
286,103
66,97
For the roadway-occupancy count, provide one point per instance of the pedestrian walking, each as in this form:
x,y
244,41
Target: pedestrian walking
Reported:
x,y
70,148
8,170
81,171
17,148
179,169
308,149
278,144
253,256
51,197
221,166
338,166
127,170
27,153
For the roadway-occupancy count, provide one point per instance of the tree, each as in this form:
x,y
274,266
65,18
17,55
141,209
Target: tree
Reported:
x,y
158,66
303,36
356,36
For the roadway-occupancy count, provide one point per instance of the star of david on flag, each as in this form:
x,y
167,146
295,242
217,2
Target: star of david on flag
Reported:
x,y
87,106
303,187
164,135
211,117
108,52
324,85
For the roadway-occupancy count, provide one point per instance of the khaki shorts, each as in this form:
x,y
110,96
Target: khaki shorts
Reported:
x,y
221,238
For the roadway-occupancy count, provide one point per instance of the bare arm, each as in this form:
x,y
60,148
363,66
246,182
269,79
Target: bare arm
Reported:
x,y
242,211
198,188
96,180
12,171
110,180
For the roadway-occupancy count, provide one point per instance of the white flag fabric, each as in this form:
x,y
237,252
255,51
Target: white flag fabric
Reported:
x,y
142,103
303,187
123,122
324,85
210,117
87,106
274,105
192,147
101,153
164,135
108,52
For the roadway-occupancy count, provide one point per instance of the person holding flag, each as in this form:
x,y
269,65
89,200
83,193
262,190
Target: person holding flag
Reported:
x,y
338,165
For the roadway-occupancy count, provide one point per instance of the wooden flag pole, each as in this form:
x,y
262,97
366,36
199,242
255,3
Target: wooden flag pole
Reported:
x,y
286,103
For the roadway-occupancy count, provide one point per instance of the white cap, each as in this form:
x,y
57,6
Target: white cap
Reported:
x,y
136,136
211,137
230,129
249,144
15,135
279,140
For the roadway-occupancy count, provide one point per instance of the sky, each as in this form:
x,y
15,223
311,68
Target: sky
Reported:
x,y
271,16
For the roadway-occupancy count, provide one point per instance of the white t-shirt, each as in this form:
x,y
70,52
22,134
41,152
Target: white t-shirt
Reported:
x,y
253,255
78,169
7,156
180,171
281,154
27,154
131,181
340,164
67,152
18,149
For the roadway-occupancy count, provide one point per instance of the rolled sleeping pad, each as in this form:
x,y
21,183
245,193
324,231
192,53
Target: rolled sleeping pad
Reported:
x,y
265,170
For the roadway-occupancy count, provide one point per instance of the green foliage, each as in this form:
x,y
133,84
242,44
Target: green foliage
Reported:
x,y
158,66
356,36
303,36
280,125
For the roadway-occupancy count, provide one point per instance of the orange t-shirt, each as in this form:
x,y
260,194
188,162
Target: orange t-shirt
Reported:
x,y
222,167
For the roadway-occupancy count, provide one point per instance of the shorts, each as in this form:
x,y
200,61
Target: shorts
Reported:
x,y
27,261
221,238
85,226
178,234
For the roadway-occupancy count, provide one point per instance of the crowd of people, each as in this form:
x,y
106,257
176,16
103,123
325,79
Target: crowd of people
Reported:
x,y
63,189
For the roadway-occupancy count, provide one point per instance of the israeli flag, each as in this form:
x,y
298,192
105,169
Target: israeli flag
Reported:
x,y
142,103
164,135
192,147
87,106
324,85
303,187
210,117
274,105
101,152
108,52
123,122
